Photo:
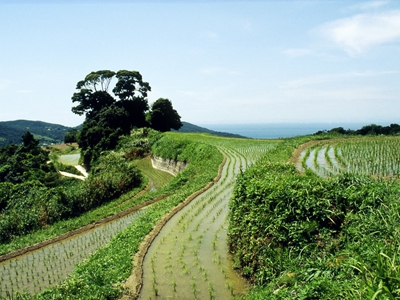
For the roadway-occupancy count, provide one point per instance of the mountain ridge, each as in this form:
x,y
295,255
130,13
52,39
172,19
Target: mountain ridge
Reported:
x,y
49,133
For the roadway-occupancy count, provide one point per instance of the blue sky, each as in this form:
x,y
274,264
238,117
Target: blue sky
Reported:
x,y
217,61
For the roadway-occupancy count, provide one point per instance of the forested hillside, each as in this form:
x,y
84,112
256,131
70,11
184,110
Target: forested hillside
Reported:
x,y
48,133
45,133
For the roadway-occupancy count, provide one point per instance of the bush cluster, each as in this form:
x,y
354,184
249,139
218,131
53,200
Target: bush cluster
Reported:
x,y
138,143
33,196
305,237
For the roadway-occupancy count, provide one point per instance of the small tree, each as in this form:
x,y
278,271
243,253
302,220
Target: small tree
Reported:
x,y
71,136
29,141
163,116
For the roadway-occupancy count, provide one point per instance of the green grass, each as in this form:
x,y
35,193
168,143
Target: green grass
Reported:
x,y
61,227
101,275
158,178
312,237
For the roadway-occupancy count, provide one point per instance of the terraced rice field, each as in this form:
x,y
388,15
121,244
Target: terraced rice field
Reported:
x,y
189,258
69,159
50,265
379,157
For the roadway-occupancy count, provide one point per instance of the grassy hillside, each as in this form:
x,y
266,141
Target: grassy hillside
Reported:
x,y
45,133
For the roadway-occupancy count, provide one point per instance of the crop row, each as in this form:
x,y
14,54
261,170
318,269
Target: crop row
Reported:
x,y
189,258
190,271
307,237
51,265
378,157
101,275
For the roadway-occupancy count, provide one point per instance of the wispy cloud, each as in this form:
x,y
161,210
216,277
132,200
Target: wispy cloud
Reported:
x,y
369,5
293,53
327,78
360,32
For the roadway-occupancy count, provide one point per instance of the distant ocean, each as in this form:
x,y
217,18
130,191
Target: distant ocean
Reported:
x,y
282,130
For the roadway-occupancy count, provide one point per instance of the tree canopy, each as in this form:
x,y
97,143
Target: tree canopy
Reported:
x,y
163,116
108,117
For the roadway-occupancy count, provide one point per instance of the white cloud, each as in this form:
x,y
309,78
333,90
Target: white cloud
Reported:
x,y
360,32
329,78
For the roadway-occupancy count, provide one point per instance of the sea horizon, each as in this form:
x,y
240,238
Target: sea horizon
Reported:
x,y
282,130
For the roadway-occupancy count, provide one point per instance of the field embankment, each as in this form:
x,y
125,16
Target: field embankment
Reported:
x,y
302,236
189,258
100,276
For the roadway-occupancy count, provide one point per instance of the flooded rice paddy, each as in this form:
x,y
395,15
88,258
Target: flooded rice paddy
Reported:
x,y
50,265
189,259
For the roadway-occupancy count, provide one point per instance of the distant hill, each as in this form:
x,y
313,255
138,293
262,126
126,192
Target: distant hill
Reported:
x,y
45,133
188,127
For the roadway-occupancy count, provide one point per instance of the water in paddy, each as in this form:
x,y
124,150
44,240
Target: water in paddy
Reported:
x,y
189,258
70,159
50,265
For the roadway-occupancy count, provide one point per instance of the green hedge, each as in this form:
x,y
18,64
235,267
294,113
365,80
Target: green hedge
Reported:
x,y
304,237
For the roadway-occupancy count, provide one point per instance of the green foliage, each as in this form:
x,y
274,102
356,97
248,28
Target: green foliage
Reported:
x,y
111,177
27,207
163,116
108,118
372,129
30,199
138,143
100,276
66,168
305,237
71,136
168,147
26,162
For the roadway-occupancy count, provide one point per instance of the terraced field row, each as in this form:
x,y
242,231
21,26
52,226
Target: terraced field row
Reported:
x,y
373,156
50,265
189,258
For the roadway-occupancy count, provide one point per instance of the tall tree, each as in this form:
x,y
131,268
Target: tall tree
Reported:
x,y
163,116
91,100
107,117
132,92
130,85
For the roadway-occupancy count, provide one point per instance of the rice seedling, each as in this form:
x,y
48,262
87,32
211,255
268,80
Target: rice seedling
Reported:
x,y
372,156
204,216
